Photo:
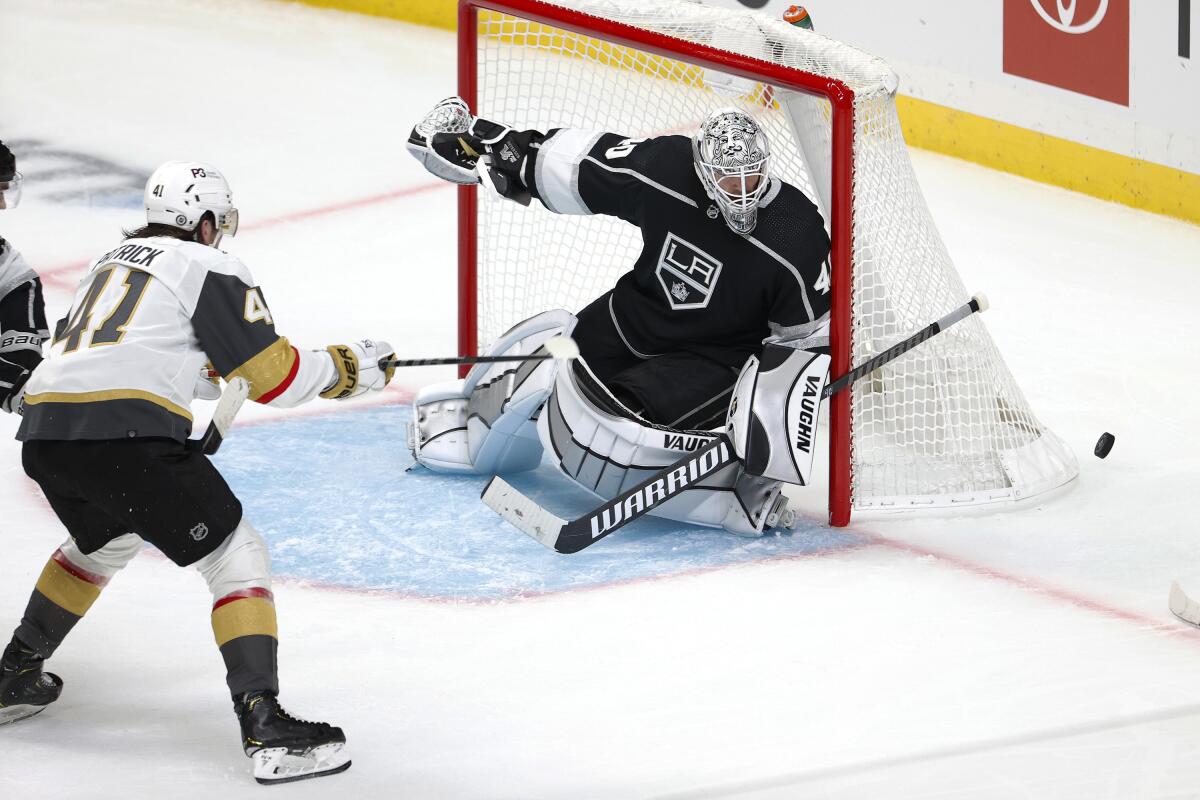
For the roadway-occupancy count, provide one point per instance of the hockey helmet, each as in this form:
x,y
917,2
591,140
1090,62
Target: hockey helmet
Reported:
x,y
10,179
733,161
180,192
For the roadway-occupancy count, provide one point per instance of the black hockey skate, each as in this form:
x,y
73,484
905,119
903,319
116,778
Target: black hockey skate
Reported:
x,y
285,748
24,689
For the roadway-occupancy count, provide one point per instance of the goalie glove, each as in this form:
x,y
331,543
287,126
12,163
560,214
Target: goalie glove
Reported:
x,y
443,143
450,143
358,369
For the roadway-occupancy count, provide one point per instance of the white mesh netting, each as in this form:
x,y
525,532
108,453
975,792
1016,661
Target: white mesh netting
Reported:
x,y
942,425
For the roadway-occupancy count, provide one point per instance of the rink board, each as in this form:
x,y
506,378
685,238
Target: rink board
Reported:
x,y
336,500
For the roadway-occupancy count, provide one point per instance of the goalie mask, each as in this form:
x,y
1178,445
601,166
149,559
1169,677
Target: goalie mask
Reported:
x,y
10,179
733,160
180,192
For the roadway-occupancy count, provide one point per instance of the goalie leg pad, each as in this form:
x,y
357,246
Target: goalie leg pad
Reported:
x,y
773,417
607,449
484,424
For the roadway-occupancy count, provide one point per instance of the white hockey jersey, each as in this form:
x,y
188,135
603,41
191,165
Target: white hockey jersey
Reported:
x,y
126,359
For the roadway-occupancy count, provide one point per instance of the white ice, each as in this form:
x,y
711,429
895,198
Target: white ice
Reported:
x,y
1023,654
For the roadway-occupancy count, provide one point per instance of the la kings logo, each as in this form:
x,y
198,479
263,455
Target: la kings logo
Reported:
x,y
688,275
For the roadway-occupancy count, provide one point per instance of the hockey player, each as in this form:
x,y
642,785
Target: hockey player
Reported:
x,y
105,428
22,310
732,257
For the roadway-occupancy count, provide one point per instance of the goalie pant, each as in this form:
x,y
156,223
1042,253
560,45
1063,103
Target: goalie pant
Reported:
x,y
22,323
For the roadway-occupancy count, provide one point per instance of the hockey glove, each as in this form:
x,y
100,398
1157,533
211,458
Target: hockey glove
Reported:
x,y
12,387
449,142
358,369
207,385
442,142
505,159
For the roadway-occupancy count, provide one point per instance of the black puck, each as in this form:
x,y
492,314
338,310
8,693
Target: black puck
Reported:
x,y
1104,444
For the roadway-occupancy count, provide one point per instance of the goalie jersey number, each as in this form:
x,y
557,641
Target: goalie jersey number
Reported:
x,y
688,274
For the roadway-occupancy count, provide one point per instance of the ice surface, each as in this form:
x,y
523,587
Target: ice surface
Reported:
x,y
422,534
1026,654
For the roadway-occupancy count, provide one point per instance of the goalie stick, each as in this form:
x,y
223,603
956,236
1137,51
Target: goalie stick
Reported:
x,y
571,536
236,392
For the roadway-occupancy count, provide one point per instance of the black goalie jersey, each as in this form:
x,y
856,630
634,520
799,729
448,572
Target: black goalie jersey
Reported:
x,y
697,286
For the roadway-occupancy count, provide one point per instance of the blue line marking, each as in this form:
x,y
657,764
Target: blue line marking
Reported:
x,y
332,497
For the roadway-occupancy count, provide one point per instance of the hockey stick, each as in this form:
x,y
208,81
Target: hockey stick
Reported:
x,y
978,303
571,536
236,392
558,347
1182,606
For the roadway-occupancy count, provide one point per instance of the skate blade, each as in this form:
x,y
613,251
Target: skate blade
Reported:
x,y
18,713
277,765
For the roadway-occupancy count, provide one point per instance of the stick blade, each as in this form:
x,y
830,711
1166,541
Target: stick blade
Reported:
x,y
522,513
1182,606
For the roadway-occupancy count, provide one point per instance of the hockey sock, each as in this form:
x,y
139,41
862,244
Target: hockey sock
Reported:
x,y
244,625
243,615
64,593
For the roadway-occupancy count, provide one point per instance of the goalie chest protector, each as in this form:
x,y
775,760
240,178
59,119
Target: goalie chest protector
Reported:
x,y
696,286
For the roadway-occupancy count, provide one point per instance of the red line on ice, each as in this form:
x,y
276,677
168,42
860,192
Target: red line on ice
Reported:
x,y
1030,584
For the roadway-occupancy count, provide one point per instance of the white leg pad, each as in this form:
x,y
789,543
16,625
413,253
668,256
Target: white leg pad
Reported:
x,y
606,449
484,424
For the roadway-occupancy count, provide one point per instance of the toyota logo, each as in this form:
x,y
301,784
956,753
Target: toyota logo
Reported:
x,y
1066,16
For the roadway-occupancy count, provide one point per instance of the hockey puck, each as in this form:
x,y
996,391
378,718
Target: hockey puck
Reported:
x,y
1104,444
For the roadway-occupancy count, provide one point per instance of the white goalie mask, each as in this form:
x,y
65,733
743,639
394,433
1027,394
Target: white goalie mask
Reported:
x,y
733,160
179,192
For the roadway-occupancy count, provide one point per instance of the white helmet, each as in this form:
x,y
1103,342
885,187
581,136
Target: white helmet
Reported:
x,y
179,192
733,160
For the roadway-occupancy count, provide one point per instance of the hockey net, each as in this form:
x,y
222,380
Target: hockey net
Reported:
x,y
944,425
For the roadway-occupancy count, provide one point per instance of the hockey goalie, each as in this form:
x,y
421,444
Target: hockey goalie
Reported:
x,y
723,318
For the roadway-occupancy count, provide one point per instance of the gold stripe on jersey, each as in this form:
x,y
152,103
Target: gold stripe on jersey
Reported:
x,y
267,370
247,616
108,394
